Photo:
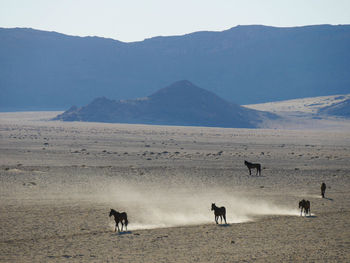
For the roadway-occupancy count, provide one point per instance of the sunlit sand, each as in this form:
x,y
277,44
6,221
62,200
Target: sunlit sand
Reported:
x,y
59,181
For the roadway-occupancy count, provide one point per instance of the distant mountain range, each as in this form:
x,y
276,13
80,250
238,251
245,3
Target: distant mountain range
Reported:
x,y
181,103
245,65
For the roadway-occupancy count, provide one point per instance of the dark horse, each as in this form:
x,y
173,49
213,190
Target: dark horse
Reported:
x,y
256,166
219,211
119,218
305,205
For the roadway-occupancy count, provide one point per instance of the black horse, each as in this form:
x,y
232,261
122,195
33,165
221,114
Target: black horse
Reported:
x,y
219,211
305,205
119,218
256,166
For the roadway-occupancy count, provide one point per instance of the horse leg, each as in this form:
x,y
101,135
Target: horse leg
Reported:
x,y
221,219
250,172
122,225
225,219
216,219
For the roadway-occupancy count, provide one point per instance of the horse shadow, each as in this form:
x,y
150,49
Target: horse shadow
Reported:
x,y
224,225
311,216
124,233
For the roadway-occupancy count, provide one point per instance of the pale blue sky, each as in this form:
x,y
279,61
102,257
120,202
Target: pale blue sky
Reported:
x,y
131,20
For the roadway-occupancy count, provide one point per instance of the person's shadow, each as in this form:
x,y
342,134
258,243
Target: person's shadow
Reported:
x,y
327,198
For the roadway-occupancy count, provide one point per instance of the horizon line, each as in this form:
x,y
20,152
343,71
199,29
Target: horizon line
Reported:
x,y
176,35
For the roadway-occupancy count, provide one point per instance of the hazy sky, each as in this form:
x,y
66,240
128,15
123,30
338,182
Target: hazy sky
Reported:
x,y
131,20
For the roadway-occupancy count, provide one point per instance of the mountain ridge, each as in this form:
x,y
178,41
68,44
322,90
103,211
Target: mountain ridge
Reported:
x,y
244,64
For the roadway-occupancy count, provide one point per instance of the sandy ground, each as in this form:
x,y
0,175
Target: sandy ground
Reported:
x,y
59,181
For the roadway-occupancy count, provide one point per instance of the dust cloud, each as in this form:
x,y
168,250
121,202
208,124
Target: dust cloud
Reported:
x,y
152,205
158,206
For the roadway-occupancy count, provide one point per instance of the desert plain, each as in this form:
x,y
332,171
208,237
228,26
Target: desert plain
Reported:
x,y
58,181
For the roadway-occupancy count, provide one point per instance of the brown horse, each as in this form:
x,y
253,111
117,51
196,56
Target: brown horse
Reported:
x,y
119,218
305,205
256,166
219,211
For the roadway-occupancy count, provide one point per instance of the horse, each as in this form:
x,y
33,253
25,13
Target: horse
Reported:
x,y
119,218
256,166
219,211
305,205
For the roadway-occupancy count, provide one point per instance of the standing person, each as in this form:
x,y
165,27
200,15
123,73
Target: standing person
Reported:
x,y
323,189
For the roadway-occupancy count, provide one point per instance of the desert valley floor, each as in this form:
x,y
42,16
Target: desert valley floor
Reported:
x,y
59,180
